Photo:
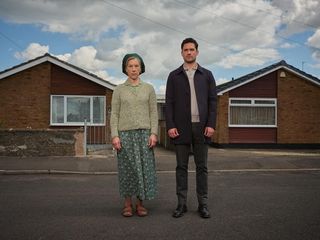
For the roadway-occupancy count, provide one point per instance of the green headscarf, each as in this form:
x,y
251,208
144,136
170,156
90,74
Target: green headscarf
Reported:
x,y
132,55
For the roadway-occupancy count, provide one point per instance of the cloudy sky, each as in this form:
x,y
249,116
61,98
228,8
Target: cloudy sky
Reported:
x,y
235,37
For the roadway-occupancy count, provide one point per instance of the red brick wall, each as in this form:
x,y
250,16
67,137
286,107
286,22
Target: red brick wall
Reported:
x,y
64,82
298,110
264,87
252,135
25,98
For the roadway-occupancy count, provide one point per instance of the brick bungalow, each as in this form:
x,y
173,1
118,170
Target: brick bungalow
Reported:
x,y
47,93
277,105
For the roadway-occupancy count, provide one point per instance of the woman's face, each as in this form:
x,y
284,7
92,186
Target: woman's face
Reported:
x,y
133,68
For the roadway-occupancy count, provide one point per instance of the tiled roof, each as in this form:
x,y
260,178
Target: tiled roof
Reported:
x,y
23,64
225,87
55,60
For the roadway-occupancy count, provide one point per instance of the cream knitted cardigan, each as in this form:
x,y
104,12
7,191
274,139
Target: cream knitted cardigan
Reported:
x,y
134,107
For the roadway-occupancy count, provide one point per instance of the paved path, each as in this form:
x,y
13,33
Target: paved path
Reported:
x,y
220,160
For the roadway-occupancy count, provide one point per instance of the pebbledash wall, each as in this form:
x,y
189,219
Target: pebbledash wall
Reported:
x,y
44,142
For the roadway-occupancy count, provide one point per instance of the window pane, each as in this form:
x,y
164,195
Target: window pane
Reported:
x,y
98,110
264,102
57,109
240,101
78,109
252,115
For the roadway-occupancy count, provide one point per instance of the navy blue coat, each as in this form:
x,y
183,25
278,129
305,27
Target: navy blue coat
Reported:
x,y
178,102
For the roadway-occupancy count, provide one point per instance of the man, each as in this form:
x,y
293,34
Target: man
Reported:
x,y
191,101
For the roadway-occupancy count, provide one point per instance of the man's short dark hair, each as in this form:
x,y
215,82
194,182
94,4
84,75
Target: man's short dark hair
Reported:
x,y
189,40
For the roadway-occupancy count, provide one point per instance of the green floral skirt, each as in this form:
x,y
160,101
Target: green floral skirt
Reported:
x,y
136,165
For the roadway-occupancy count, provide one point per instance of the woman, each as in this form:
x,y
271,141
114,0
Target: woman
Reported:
x,y
134,127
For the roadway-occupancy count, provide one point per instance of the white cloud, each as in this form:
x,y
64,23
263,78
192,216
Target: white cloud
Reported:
x,y
86,57
230,33
221,81
314,40
316,55
32,51
314,43
250,57
316,66
88,21
106,76
162,89
297,15
288,45
64,57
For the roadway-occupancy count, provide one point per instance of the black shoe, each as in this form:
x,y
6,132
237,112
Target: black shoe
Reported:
x,y
203,211
181,209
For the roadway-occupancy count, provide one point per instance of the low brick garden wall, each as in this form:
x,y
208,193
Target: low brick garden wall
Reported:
x,y
47,142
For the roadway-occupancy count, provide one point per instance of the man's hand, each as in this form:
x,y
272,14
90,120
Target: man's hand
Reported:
x,y
116,143
208,132
173,133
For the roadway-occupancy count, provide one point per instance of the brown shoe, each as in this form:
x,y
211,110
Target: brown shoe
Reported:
x,y
127,211
141,211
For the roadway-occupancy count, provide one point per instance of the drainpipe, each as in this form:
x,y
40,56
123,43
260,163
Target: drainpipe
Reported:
x,y
85,138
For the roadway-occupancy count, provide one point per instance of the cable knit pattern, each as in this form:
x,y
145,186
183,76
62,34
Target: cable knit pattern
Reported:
x,y
134,107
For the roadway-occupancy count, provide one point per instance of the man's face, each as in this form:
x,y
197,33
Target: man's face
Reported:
x,y
189,53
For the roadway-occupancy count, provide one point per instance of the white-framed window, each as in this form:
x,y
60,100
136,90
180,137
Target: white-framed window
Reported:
x,y
73,110
252,112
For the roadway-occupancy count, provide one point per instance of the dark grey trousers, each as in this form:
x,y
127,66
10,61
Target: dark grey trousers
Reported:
x,y
200,152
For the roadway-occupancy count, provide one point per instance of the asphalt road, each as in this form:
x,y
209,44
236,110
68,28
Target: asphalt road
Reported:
x,y
244,205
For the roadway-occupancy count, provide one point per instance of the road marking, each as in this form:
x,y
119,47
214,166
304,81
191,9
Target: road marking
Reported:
x,y
252,170
21,172
268,170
